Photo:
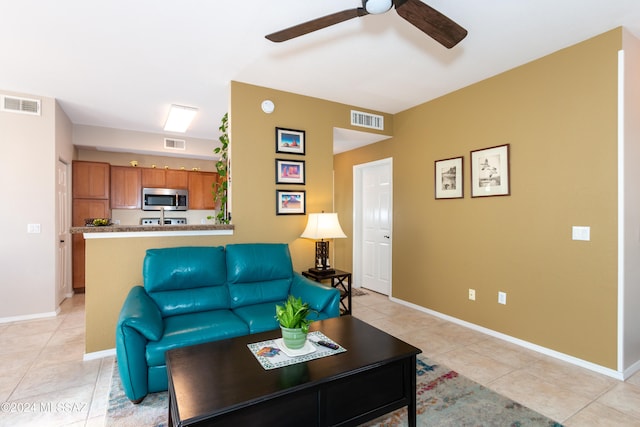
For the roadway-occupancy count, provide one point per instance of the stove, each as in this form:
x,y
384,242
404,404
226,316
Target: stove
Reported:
x,y
167,221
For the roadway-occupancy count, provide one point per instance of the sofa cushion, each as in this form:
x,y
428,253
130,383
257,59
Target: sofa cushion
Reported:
x,y
194,328
258,292
186,279
259,317
169,269
258,262
173,303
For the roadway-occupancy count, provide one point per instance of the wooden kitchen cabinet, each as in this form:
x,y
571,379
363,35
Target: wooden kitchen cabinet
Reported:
x,y
153,178
89,208
126,187
90,180
165,178
90,189
81,210
177,179
201,190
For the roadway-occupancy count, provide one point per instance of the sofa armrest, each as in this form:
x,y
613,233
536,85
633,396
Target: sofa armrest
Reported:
x,y
141,313
139,322
323,299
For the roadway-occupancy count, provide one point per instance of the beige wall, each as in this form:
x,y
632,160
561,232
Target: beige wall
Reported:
x,y
559,114
253,162
254,200
31,147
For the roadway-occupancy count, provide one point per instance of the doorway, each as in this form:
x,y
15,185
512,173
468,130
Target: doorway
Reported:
x,y
373,223
63,259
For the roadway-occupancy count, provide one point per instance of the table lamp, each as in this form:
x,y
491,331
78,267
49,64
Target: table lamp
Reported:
x,y
322,226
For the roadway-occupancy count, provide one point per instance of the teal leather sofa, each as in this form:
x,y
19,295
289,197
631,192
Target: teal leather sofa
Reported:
x,y
193,295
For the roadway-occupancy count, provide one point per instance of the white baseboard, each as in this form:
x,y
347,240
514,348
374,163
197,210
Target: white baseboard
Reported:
x,y
29,316
99,354
546,351
631,370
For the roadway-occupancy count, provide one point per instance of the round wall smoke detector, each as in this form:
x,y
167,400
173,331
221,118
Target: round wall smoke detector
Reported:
x,y
268,106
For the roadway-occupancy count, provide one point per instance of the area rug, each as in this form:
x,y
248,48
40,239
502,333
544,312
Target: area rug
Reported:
x,y
356,292
444,398
153,411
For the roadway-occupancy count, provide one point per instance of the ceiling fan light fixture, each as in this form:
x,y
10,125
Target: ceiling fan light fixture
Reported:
x,y
375,7
425,18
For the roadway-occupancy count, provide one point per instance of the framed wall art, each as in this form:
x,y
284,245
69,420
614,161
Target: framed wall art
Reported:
x,y
490,172
290,202
290,141
289,171
448,178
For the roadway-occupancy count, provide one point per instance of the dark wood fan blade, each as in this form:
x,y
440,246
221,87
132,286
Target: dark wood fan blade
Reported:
x,y
316,24
431,22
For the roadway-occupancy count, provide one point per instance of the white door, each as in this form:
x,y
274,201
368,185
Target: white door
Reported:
x,y
63,287
374,219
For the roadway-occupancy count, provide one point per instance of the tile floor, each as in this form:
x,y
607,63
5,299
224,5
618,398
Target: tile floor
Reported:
x,y
44,381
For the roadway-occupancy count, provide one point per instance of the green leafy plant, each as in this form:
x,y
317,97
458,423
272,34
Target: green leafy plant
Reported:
x,y
219,189
293,314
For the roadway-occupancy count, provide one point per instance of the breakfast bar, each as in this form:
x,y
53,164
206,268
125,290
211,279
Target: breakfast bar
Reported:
x,y
125,231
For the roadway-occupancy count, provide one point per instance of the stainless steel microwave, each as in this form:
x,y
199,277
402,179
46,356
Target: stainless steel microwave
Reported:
x,y
169,199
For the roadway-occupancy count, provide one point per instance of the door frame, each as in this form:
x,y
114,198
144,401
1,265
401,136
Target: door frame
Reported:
x,y
357,220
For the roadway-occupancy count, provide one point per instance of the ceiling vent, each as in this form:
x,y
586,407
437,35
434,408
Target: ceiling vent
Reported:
x,y
20,105
367,120
175,144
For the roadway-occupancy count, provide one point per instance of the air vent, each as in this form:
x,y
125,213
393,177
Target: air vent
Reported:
x,y
175,144
367,120
20,105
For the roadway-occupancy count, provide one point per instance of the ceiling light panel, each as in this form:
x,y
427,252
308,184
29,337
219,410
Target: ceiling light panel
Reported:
x,y
179,118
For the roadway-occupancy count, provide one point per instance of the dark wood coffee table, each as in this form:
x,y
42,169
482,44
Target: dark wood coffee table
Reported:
x,y
222,384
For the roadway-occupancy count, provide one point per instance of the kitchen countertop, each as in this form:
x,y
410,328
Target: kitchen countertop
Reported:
x,y
116,231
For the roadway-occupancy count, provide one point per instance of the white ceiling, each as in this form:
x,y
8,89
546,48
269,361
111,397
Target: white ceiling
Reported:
x,y
121,63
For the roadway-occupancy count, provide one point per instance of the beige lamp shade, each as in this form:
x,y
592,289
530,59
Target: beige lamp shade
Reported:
x,y
323,226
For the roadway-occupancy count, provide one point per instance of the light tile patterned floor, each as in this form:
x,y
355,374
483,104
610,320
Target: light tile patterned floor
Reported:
x,y
44,382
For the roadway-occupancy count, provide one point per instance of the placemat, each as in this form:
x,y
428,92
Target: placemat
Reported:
x,y
270,355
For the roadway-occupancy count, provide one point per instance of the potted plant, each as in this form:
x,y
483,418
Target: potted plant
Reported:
x,y
294,322
220,188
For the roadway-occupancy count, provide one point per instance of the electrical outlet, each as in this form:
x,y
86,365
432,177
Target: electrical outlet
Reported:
x,y
472,294
581,233
502,297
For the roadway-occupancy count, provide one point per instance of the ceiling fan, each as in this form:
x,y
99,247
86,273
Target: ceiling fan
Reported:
x,y
425,18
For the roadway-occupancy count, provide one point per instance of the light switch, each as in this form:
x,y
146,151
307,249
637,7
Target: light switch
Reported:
x,y
581,233
33,228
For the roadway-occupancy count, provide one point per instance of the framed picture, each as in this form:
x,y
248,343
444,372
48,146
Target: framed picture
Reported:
x,y
289,171
290,202
490,172
290,141
448,175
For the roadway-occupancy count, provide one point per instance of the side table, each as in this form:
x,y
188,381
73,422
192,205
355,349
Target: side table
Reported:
x,y
340,280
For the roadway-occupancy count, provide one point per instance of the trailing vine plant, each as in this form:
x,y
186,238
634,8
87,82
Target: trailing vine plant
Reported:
x,y
222,167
